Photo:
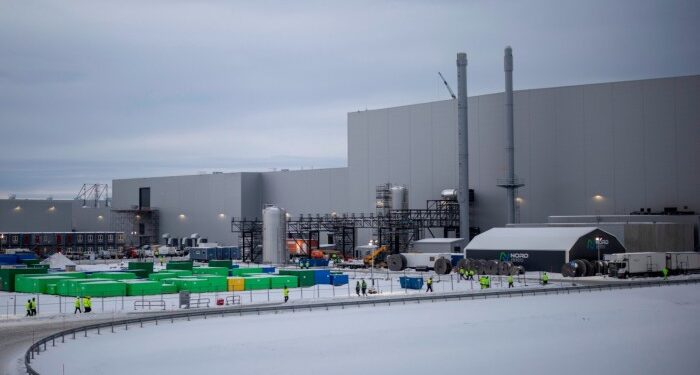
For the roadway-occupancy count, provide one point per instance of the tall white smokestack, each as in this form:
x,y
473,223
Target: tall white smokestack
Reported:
x,y
463,147
510,182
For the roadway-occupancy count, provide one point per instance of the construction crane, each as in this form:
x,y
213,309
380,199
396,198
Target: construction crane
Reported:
x,y
447,85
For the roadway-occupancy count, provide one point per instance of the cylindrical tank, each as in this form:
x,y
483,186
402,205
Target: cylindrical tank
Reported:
x,y
399,198
449,194
275,235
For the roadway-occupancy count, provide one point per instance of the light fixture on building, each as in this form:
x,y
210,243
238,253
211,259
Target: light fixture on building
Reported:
x,y
598,197
52,208
519,200
18,208
221,215
138,217
100,217
182,216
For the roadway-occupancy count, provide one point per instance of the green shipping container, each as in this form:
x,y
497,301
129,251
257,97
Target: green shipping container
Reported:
x,y
191,284
246,270
103,289
7,276
306,277
168,288
180,273
30,262
70,287
220,271
161,275
187,265
226,263
279,281
113,275
142,287
215,283
35,284
257,282
51,289
144,266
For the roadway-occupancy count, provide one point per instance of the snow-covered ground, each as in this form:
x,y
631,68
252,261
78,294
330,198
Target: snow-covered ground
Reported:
x,y
652,330
12,304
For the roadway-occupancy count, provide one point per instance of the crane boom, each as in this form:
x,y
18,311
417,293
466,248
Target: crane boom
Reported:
x,y
447,85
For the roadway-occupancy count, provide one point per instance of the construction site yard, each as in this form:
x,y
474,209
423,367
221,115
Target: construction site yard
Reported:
x,y
553,333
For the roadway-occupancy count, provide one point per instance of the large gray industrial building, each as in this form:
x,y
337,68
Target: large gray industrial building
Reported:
x,y
599,149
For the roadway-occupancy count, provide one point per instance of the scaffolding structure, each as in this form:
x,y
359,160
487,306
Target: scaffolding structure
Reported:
x,y
141,226
396,229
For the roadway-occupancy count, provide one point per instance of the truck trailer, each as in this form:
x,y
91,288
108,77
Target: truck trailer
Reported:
x,y
623,265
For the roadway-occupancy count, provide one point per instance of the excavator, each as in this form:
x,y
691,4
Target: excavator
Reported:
x,y
377,257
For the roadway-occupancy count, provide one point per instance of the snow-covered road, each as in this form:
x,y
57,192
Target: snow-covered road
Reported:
x,y
643,331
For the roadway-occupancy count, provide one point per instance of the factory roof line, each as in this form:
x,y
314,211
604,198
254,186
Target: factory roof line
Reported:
x,y
547,239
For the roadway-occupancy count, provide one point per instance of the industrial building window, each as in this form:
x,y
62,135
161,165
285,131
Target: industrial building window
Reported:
x,y
142,228
144,197
89,249
100,238
80,238
90,238
15,239
110,238
120,237
100,248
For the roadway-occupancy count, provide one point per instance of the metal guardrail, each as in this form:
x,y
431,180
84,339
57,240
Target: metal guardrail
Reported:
x,y
41,345
233,300
149,304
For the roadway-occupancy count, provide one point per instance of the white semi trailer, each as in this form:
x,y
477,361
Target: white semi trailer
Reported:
x,y
624,265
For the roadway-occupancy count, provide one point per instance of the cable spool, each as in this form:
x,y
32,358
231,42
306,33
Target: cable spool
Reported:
x,y
504,268
599,267
396,262
581,268
491,267
442,266
478,266
568,269
590,271
518,270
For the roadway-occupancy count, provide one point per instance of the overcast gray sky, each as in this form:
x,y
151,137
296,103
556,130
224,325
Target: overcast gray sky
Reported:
x,y
95,90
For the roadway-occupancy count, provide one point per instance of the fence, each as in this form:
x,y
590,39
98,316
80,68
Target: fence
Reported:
x,y
41,345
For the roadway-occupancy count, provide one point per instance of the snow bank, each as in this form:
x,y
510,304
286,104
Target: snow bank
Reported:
x,y
639,331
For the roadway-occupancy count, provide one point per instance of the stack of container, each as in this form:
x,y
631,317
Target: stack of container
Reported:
x,y
179,265
257,282
221,263
280,281
220,271
305,277
142,287
8,275
37,284
141,269
156,276
246,270
113,275
102,289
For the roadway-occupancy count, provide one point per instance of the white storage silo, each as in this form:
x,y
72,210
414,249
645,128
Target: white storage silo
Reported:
x,y
399,198
275,235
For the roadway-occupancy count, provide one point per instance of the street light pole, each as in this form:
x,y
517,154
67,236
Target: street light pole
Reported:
x,y
597,246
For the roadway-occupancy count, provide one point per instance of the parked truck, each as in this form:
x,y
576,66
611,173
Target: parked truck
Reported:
x,y
623,265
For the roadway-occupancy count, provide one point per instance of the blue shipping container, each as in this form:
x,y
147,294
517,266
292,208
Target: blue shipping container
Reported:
x,y
8,258
411,282
21,256
456,258
322,276
339,279
268,269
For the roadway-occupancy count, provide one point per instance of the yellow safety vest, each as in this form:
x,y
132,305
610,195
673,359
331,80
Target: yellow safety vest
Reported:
x,y
76,303
87,302
286,292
